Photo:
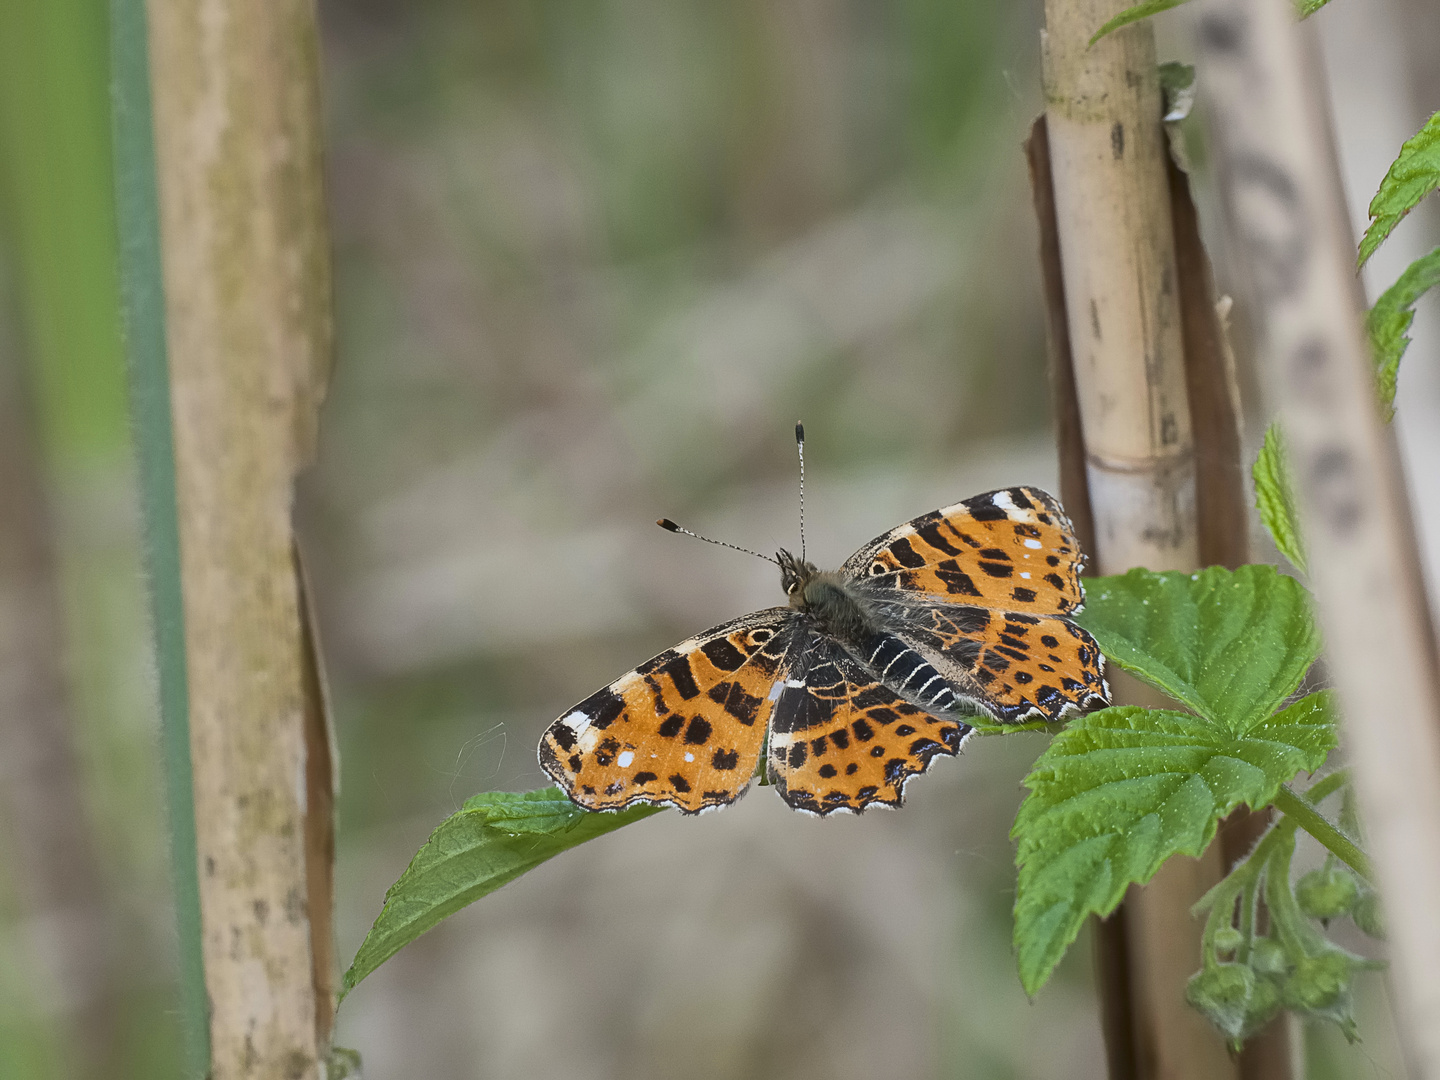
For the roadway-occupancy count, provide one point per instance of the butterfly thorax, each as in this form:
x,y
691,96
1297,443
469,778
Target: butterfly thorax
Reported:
x,y
823,595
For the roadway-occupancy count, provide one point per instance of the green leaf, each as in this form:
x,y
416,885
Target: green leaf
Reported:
x,y
1123,789
1275,497
1177,90
1231,645
1154,7
1415,173
1135,14
493,839
1388,323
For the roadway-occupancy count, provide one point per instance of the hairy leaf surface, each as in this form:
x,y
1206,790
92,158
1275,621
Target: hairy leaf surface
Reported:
x,y
1388,323
491,840
1275,497
1414,174
1123,789
1232,645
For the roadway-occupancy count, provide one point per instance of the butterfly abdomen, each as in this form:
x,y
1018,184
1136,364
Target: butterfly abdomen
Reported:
x,y
907,672
853,621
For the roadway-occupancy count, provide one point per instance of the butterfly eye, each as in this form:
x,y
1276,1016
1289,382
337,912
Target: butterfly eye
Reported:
x,y
790,589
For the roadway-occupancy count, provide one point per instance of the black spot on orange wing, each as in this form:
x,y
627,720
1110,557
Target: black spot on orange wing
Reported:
x,y
724,655
1010,550
731,697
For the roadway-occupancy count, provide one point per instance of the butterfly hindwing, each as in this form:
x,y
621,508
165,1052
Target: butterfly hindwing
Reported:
x,y
1012,549
684,729
1015,666
840,739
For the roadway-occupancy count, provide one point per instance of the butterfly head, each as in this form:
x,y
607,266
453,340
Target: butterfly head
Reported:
x,y
795,574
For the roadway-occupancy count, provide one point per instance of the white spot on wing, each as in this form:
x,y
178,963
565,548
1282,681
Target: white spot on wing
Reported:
x,y
577,722
1032,543
689,757
625,758
1014,513
1025,574
775,691
793,683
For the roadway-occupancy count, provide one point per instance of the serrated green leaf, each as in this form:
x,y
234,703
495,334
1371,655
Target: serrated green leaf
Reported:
x,y
493,839
1123,789
1388,323
1414,174
1231,645
1275,498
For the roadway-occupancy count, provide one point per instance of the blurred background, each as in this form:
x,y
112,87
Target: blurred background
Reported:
x,y
593,259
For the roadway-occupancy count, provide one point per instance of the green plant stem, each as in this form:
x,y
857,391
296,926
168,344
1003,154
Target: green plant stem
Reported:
x,y
1313,822
138,212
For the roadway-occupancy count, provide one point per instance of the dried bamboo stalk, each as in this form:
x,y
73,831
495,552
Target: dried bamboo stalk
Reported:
x,y
1113,205
1111,943
1283,197
237,138
1114,219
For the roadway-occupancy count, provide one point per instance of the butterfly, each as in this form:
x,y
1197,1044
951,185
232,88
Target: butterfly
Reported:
x,y
861,681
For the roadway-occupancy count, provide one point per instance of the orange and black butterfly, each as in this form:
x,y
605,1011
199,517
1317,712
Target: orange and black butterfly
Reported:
x,y
861,681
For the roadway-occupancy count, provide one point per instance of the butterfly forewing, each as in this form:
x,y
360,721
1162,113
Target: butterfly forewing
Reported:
x,y
685,728
842,740
1012,550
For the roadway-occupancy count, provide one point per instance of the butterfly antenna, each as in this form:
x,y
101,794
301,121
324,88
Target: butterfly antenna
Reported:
x,y
800,443
666,523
